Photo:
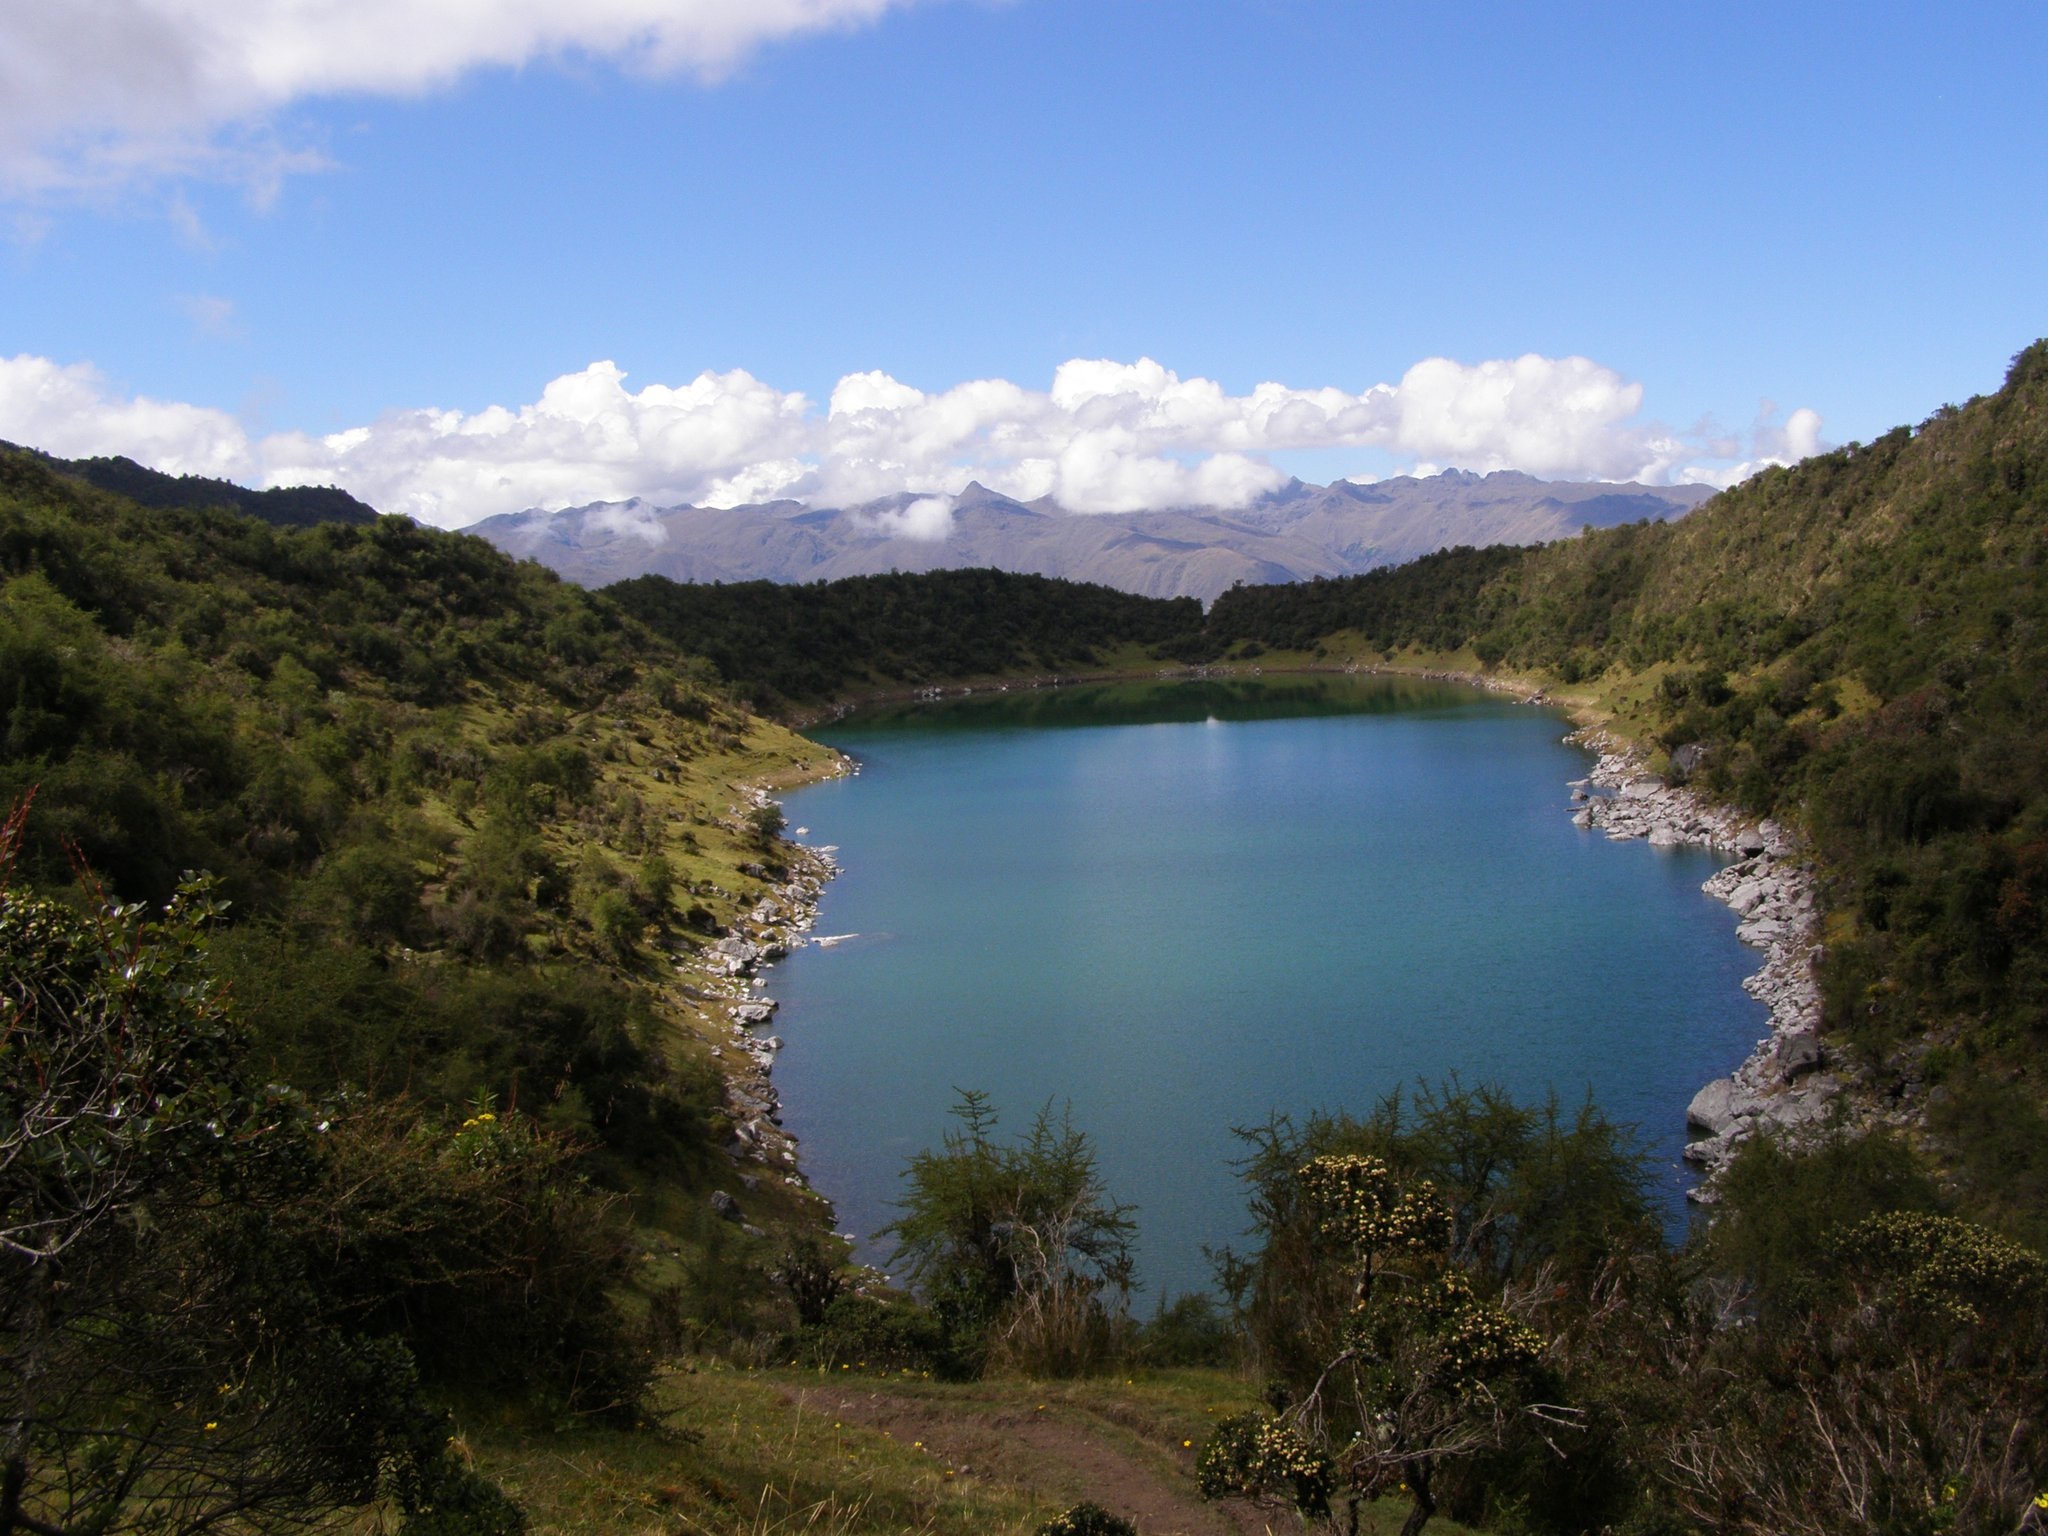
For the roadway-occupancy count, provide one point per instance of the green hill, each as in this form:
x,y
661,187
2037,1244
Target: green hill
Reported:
x,y
475,826
783,645
292,506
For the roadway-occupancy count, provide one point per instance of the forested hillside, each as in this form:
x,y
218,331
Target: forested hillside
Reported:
x,y
779,644
290,506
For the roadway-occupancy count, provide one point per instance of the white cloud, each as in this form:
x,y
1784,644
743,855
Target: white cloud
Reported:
x,y
721,439
1105,437
97,91
1770,444
929,520
70,412
635,519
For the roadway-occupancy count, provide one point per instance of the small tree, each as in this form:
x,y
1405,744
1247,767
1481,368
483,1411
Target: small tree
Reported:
x,y
1018,1248
1424,1369
765,824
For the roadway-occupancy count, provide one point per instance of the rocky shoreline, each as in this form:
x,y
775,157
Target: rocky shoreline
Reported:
x,y
720,981
1787,1084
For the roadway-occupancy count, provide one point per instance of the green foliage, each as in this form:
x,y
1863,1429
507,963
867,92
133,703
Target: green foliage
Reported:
x,y
1527,1190
481,1246
1402,1264
297,506
562,1040
1087,1519
1255,1456
366,733
177,1348
194,689
1905,1396
1998,1137
780,644
764,826
1434,602
1418,1369
1189,1329
1780,1209
878,1333
1017,1247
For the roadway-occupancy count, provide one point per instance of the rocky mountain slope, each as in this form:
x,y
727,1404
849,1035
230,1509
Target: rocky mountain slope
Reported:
x,y
1299,532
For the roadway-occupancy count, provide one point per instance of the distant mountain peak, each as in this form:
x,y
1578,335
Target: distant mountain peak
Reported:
x,y
1296,532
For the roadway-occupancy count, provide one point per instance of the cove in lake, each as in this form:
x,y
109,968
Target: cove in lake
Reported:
x,y
1185,906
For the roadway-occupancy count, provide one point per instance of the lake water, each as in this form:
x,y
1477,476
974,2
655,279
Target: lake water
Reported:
x,y
1186,906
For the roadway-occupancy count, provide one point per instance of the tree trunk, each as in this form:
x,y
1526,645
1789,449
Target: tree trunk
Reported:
x,y
1417,1474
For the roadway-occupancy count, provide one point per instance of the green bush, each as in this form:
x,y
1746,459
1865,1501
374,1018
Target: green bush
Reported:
x,y
1087,1519
1017,1247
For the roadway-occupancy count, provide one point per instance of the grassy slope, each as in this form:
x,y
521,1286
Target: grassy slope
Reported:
x,y
763,1451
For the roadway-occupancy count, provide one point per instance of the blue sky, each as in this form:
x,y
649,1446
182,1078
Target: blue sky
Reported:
x,y
1840,209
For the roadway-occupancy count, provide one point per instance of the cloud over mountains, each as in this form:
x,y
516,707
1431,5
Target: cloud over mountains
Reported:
x,y
1105,437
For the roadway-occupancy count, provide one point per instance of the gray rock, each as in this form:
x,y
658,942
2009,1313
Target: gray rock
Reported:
x,y
1799,1054
1712,1108
724,1205
1804,1110
1709,1153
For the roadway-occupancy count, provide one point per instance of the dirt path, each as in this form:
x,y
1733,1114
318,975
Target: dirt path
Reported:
x,y
1060,1453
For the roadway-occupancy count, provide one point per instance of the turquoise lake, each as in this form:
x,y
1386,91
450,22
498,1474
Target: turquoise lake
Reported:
x,y
1185,906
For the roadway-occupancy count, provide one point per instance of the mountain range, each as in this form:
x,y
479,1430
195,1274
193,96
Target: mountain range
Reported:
x,y
1298,532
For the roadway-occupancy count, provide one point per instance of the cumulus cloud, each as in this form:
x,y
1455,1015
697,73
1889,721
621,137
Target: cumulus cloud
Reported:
x,y
1105,437
720,440
71,412
100,90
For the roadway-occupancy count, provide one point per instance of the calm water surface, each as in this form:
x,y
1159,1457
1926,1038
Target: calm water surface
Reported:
x,y
1187,906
